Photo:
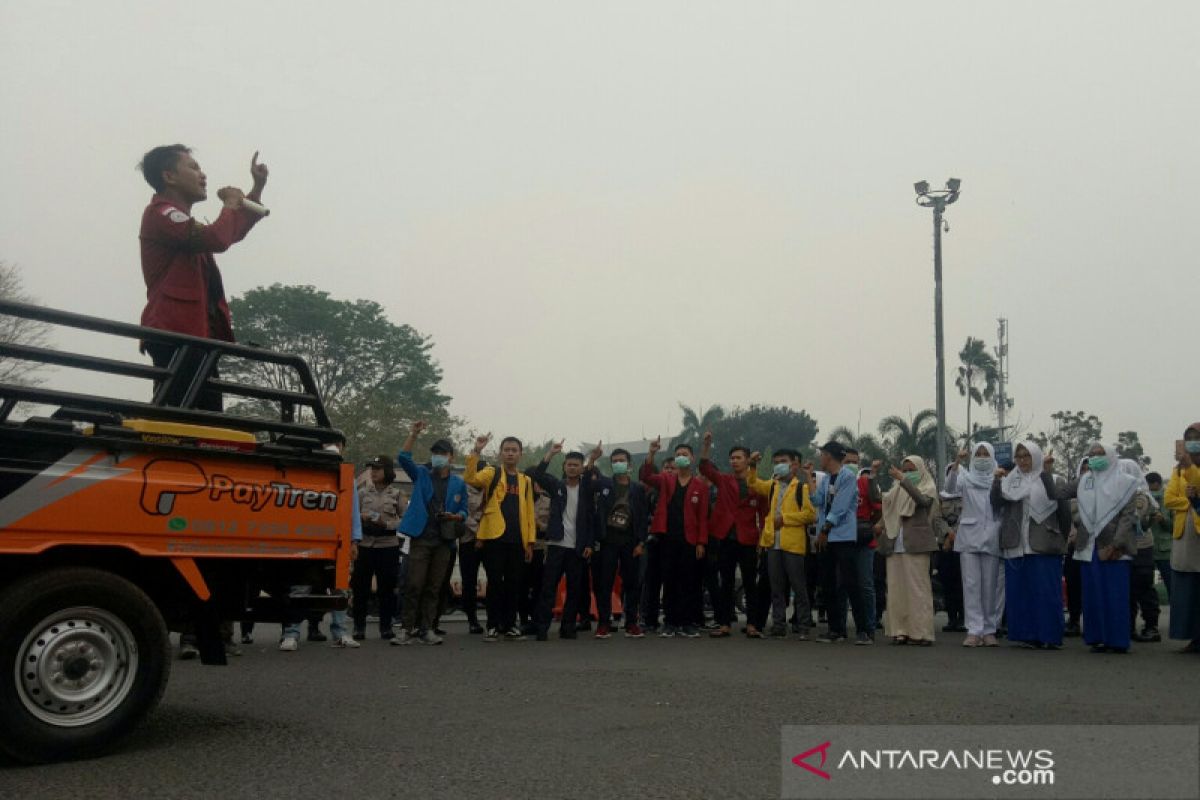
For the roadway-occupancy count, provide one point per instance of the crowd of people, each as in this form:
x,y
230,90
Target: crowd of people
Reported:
x,y
813,544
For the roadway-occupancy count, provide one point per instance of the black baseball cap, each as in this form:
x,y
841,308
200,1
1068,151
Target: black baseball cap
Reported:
x,y
378,461
835,449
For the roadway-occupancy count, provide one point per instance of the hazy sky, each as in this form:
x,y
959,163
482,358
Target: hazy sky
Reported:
x,y
598,210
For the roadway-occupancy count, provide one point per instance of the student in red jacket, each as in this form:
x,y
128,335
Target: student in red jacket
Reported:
x,y
184,291
681,522
734,527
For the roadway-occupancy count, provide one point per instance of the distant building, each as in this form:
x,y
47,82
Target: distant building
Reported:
x,y
638,448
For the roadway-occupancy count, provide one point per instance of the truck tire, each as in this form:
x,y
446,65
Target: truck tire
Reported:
x,y
84,656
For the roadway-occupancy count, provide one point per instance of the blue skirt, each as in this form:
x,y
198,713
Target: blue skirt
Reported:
x,y
1185,606
1033,600
1106,614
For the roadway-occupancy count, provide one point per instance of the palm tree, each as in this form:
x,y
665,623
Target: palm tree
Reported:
x,y
695,424
977,377
867,444
916,436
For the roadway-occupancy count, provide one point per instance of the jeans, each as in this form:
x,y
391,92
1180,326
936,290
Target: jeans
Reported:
x,y
866,579
337,626
503,562
561,562
383,564
614,556
842,586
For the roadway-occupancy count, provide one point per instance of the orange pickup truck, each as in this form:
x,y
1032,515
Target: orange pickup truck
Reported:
x,y
123,520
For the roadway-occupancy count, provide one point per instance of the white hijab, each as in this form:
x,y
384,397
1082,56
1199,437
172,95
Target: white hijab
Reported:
x,y
898,504
974,478
1102,495
1027,488
1134,470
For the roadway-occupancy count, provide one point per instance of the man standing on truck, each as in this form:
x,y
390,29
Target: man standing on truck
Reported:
x,y
184,291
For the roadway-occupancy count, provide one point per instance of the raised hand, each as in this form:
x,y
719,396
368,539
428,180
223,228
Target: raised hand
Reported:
x,y
556,448
655,446
258,172
231,196
895,472
417,427
482,442
596,452
755,457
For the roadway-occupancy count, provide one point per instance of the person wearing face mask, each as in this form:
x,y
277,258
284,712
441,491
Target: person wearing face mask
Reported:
x,y
836,500
652,584
1160,530
1033,537
977,542
906,538
437,508
621,519
1143,596
681,519
1183,499
784,541
1105,541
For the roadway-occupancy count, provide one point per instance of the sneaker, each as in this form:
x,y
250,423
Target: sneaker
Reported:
x,y
864,639
603,632
831,638
344,641
668,632
187,652
990,640
802,635
430,637
711,625
387,633
492,635
289,644
634,632
315,635
232,649
779,632
247,639
403,638
1148,635
690,632
972,641
513,635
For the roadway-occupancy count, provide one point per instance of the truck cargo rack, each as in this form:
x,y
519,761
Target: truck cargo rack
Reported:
x,y
171,380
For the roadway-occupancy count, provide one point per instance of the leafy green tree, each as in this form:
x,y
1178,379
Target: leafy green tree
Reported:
x,y
374,375
695,423
868,445
978,377
1069,437
1129,446
764,428
914,436
17,330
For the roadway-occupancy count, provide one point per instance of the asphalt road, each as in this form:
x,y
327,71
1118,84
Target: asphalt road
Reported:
x,y
579,719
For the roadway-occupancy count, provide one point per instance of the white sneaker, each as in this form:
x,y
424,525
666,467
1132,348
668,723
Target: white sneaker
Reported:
x,y
289,645
344,641
429,637
402,638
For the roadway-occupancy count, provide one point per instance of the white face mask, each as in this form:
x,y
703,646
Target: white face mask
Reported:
x,y
983,465
782,469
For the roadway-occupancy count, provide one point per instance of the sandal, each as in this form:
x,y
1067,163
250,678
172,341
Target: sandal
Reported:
x,y
991,641
972,641
900,640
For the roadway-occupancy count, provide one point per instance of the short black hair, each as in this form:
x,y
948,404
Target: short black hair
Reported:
x,y
741,447
684,446
835,450
159,160
1153,477
620,451
575,455
850,451
442,447
787,451
514,440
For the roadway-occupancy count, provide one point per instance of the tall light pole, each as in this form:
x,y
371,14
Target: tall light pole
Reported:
x,y
938,199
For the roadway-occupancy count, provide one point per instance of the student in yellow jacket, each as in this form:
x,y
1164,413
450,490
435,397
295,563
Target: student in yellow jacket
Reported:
x,y
506,532
788,514
1183,499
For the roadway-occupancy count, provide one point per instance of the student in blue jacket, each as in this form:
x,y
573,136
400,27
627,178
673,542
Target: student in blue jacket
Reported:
x,y
432,520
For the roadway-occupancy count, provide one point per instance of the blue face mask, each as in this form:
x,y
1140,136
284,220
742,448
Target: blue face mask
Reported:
x,y
682,462
1098,463
620,467
1192,447
782,469
439,461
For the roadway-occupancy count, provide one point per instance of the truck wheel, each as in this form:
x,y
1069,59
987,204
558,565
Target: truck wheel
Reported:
x,y
84,656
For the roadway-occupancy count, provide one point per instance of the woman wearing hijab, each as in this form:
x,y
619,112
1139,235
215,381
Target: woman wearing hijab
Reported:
x,y
1105,545
909,509
1033,538
977,542
1183,498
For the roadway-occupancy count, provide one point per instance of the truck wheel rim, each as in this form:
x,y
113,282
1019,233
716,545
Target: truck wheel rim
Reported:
x,y
76,666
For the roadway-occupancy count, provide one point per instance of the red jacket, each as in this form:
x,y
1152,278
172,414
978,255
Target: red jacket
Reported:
x,y
695,503
180,271
733,507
